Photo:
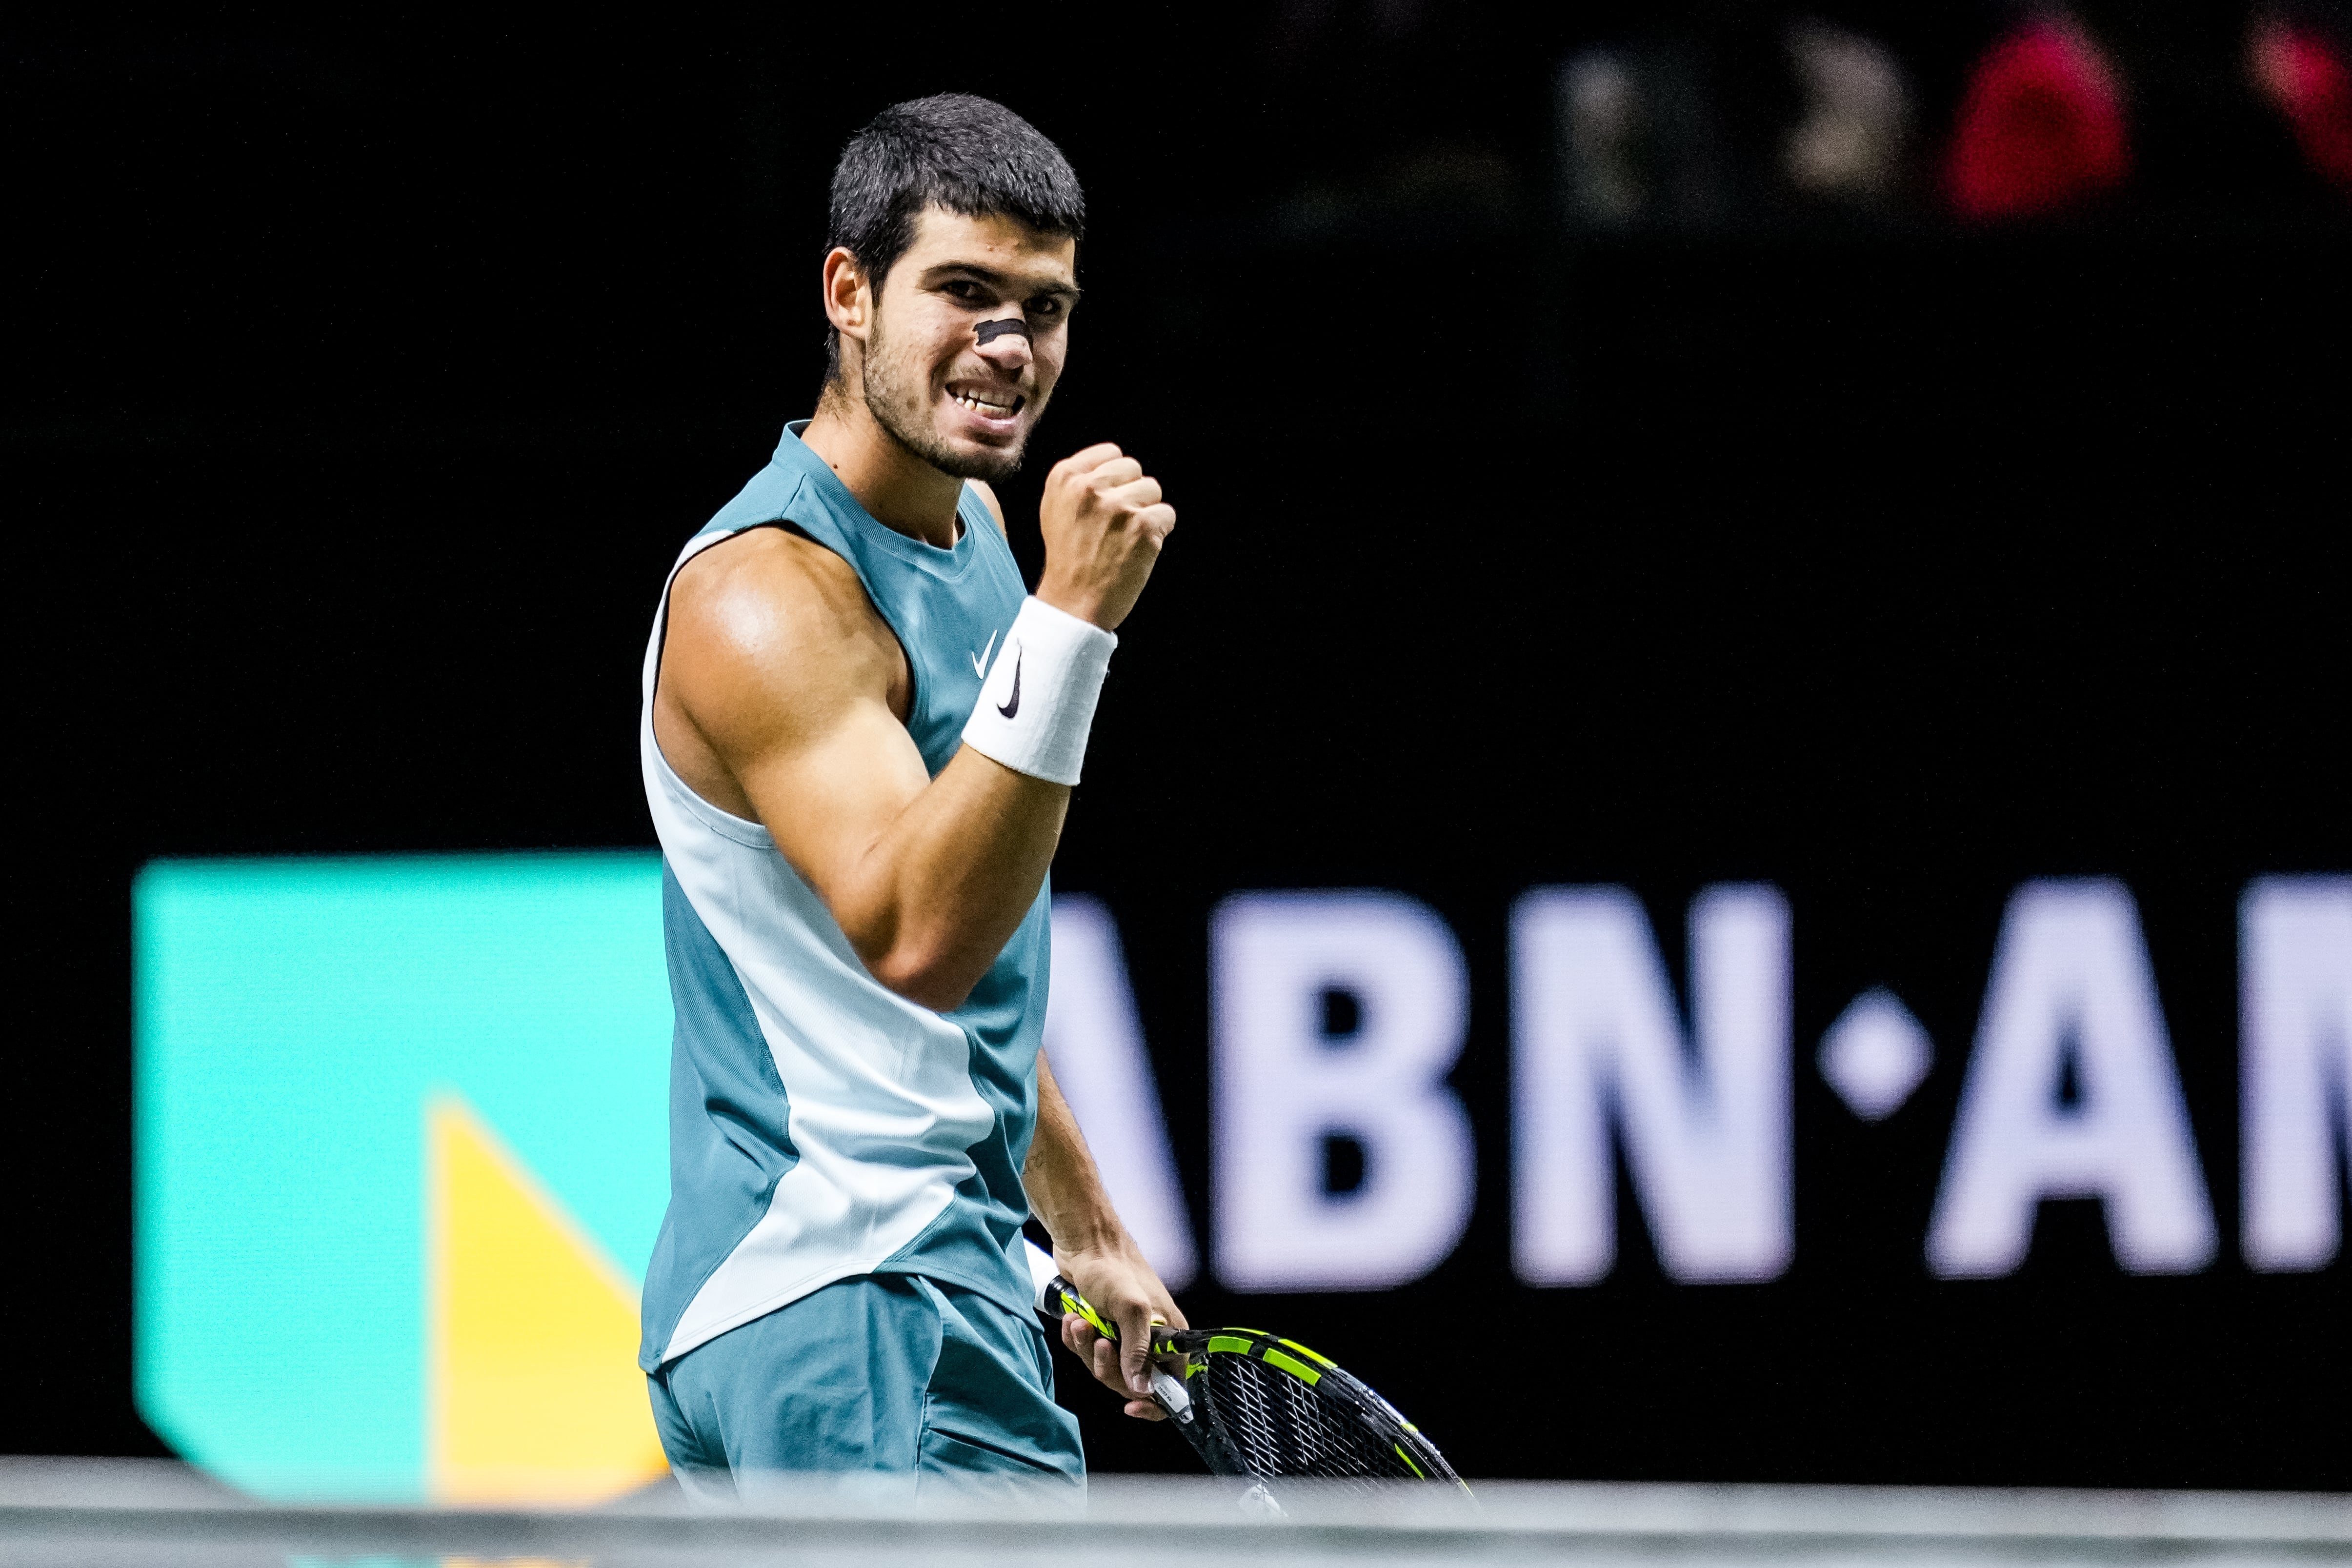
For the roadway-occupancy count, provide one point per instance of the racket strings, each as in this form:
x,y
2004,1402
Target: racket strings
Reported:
x,y
1280,1426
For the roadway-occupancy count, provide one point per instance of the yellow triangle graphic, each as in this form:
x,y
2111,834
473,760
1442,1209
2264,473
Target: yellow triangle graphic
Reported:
x,y
534,1391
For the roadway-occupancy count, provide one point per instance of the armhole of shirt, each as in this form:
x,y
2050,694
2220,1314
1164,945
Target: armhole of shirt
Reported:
x,y
914,672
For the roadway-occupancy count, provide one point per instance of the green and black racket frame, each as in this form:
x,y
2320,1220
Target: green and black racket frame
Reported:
x,y
1256,1405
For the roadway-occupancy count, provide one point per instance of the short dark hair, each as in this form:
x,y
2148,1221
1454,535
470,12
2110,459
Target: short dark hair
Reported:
x,y
967,154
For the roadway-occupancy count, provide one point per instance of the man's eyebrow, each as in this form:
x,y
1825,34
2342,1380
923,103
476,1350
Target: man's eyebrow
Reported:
x,y
995,278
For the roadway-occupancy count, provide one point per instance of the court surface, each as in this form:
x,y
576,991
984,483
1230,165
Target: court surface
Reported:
x,y
138,1513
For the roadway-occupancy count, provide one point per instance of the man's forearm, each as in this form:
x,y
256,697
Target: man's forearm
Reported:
x,y
1094,1249
964,859
948,882
1065,1187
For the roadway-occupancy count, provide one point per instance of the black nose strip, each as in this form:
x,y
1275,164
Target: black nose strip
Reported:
x,y
988,332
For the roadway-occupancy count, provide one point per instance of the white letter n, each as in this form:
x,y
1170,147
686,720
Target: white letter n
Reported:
x,y
1595,1037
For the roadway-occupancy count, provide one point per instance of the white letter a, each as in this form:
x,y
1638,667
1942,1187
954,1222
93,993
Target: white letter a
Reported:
x,y
2071,971
1095,1043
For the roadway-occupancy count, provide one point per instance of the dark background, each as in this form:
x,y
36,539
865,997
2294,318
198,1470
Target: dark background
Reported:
x,y
366,372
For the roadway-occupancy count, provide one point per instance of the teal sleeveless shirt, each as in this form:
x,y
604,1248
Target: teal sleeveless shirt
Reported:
x,y
822,1127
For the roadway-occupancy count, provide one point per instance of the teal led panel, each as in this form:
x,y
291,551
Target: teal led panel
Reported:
x,y
294,1020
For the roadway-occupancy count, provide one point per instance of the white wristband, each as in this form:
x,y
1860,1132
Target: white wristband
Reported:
x,y
1038,701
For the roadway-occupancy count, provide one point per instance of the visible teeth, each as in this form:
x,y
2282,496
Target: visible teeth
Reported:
x,y
979,405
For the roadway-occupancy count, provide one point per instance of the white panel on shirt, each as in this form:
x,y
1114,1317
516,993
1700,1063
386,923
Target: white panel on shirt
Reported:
x,y
881,1103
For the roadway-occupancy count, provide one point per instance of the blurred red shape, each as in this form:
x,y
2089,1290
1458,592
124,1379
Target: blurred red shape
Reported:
x,y
2041,126
2304,73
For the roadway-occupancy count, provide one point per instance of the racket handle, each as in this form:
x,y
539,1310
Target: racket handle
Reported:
x,y
1168,1391
1056,1295
1061,1297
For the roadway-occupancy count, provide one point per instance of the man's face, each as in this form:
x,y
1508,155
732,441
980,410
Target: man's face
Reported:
x,y
964,409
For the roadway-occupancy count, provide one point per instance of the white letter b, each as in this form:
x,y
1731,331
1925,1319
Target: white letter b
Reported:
x,y
1288,1082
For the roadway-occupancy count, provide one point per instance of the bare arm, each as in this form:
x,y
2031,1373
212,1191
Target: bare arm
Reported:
x,y
782,697
1094,1251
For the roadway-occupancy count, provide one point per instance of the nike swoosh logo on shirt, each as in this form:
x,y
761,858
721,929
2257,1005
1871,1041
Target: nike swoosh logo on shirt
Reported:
x,y
979,659
1010,709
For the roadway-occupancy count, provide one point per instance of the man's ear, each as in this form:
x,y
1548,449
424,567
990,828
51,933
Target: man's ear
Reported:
x,y
848,298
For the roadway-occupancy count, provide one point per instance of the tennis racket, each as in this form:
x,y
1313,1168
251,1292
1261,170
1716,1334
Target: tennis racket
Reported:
x,y
1256,1405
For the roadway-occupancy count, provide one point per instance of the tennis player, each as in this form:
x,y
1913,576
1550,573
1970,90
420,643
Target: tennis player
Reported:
x,y
858,742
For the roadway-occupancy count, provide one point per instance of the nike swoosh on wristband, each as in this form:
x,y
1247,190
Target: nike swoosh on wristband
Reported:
x,y
979,659
1012,707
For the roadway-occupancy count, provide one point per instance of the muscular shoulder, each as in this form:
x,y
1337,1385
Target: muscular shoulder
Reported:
x,y
769,629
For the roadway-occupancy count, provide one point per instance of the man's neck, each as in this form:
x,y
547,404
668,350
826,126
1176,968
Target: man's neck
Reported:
x,y
903,492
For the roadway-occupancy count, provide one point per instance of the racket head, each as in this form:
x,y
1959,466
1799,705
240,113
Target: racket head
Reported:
x,y
1257,1404
1285,1412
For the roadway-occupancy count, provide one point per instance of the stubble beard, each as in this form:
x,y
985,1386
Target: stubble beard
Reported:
x,y
899,404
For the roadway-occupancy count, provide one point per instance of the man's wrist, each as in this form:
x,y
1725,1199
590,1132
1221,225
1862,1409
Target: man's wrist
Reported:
x,y
1094,1237
1037,701
1088,607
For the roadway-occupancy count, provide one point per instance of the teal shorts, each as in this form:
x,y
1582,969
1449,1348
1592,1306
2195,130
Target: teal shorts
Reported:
x,y
888,1373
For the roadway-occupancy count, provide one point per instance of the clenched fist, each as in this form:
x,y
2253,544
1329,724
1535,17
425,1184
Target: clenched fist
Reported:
x,y
1104,523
